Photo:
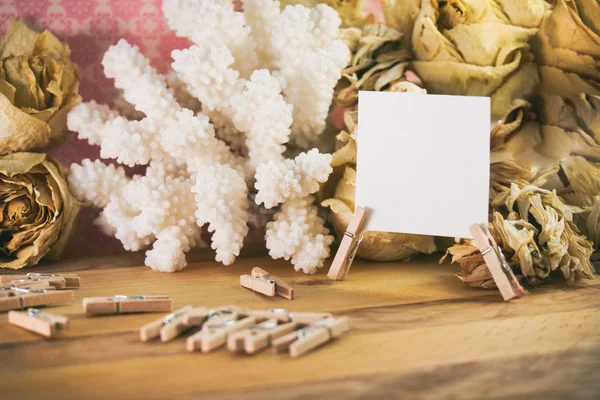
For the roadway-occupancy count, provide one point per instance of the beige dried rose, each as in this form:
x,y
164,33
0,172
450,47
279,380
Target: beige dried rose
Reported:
x,y
535,230
583,189
37,212
567,48
379,61
38,86
477,48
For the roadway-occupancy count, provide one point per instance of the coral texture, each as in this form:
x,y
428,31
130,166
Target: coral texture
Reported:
x,y
265,87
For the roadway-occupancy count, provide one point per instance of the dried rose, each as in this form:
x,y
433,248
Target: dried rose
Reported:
x,y
567,48
37,212
38,86
379,61
582,180
477,48
535,230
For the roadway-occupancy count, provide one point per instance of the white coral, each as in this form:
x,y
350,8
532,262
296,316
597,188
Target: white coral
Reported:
x,y
278,182
220,125
209,75
261,112
300,46
214,23
95,182
222,199
89,119
309,58
142,86
298,233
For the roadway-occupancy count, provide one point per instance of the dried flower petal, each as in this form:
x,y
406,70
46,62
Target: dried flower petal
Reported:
x,y
37,215
38,86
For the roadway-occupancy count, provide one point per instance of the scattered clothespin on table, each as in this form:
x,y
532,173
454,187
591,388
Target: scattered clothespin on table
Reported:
x,y
167,327
43,323
263,282
311,336
279,314
247,331
259,336
72,281
348,247
215,330
14,298
57,281
28,284
505,279
122,304
278,323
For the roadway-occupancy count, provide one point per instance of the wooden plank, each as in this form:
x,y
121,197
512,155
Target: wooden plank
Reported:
x,y
416,332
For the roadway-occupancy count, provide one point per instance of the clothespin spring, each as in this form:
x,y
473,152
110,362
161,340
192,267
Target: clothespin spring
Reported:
x,y
126,297
302,333
354,249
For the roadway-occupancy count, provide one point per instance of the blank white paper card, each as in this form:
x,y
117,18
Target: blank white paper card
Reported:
x,y
423,162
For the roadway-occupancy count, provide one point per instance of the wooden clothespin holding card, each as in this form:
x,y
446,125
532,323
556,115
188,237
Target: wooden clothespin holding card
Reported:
x,y
311,336
122,304
43,323
167,327
348,247
263,282
505,279
15,298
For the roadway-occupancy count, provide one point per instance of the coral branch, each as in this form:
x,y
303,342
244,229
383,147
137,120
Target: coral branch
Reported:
x,y
299,234
278,182
222,199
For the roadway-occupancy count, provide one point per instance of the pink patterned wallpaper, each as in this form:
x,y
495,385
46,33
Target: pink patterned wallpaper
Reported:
x,y
90,27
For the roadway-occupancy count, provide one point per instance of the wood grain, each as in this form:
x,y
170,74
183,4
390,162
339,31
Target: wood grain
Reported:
x,y
417,332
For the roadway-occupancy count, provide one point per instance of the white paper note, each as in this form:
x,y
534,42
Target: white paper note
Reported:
x,y
423,162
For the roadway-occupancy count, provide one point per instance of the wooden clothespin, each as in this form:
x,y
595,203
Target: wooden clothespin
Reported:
x,y
71,281
57,281
215,330
198,315
28,284
167,327
307,318
14,298
348,247
43,323
282,288
121,304
505,279
259,336
278,314
311,336
261,285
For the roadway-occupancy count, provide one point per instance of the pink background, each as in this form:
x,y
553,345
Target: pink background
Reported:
x,y
90,27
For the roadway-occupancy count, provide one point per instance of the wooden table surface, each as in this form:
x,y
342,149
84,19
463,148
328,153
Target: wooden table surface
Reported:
x,y
417,332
